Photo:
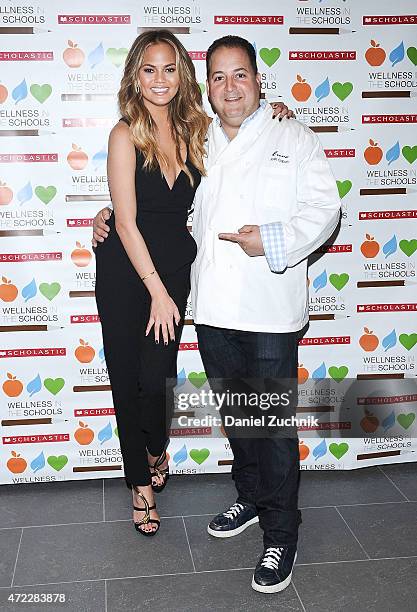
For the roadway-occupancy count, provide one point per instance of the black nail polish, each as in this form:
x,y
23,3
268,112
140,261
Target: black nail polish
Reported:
x,y
280,119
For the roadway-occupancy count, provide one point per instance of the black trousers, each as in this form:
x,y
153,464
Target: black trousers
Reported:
x,y
138,367
265,470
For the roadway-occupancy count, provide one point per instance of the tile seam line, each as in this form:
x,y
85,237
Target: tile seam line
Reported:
x,y
17,556
231,569
353,533
393,483
402,501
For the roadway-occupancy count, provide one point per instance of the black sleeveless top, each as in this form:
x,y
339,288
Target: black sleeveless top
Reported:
x,y
161,219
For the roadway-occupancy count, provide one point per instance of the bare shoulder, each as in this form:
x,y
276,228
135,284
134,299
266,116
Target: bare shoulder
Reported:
x,y
119,140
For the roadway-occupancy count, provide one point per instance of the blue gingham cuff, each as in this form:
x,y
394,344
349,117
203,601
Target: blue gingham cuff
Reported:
x,y
273,241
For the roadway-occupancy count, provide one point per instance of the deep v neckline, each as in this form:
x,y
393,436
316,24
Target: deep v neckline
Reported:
x,y
175,181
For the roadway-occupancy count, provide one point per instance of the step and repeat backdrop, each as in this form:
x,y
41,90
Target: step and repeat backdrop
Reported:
x,y
349,71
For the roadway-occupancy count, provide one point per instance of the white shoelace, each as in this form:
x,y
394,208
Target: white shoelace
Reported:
x,y
272,558
233,511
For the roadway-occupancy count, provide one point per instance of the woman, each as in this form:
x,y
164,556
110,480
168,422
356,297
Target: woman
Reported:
x,y
155,162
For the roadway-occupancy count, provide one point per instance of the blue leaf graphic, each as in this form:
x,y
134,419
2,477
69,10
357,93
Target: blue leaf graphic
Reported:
x,y
320,450
320,372
254,46
20,92
34,386
390,340
390,247
389,421
320,281
105,434
38,463
393,153
180,456
322,90
101,355
30,290
181,378
25,194
99,158
96,56
397,54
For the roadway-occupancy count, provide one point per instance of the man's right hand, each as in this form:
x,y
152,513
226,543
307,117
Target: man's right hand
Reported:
x,y
100,229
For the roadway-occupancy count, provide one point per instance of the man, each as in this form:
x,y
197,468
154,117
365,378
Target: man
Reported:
x,y
249,287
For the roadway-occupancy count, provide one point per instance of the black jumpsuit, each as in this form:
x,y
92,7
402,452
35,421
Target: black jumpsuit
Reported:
x,y
138,367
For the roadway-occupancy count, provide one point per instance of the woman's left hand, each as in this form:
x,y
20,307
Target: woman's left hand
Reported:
x,y
281,110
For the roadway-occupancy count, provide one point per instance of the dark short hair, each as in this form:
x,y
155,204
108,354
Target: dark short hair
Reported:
x,y
232,42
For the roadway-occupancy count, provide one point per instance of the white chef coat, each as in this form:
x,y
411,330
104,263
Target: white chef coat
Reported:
x,y
271,171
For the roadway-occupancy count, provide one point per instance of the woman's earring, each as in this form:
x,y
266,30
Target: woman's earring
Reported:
x,y
137,89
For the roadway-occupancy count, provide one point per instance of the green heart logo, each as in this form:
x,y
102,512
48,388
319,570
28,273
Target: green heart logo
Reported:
x,y
410,153
339,280
50,290
406,420
202,88
408,246
344,187
199,456
45,194
116,431
338,374
197,379
342,90
412,55
57,462
270,56
117,56
338,450
408,340
40,92
54,385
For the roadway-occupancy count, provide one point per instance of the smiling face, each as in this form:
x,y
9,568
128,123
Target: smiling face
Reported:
x,y
233,87
158,75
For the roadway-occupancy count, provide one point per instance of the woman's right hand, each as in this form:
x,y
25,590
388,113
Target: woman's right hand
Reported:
x,y
164,313
100,229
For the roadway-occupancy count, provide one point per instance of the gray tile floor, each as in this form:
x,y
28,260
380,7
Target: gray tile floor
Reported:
x,y
357,549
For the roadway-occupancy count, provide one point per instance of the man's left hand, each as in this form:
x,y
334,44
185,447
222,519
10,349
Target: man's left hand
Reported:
x,y
248,238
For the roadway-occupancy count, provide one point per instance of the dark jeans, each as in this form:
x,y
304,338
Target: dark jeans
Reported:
x,y
265,470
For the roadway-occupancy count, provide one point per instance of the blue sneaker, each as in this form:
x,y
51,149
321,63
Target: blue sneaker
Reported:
x,y
274,569
232,522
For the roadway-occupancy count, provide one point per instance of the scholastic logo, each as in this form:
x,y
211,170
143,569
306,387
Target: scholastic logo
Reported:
x,y
389,19
190,431
26,56
36,439
249,19
197,55
387,399
78,412
335,248
34,352
25,257
412,307
80,222
324,340
87,318
94,19
27,158
86,122
335,153
322,55
188,346
387,214
389,118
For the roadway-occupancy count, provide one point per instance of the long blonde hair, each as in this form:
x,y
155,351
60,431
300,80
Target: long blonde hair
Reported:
x,y
189,122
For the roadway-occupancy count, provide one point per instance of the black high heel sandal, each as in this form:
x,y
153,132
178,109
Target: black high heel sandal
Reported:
x,y
164,474
147,518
